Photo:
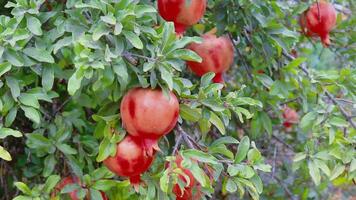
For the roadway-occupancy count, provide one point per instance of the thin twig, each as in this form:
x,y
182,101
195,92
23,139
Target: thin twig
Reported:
x,y
282,142
285,188
242,58
178,143
342,110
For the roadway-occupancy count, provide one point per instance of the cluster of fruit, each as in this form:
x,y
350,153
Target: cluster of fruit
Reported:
x,y
147,114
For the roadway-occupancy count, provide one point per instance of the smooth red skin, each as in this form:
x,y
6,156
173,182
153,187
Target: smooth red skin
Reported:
x,y
321,23
182,13
131,159
188,190
148,113
217,54
73,194
290,117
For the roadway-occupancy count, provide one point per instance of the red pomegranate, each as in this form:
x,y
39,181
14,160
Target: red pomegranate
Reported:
x,y
131,159
217,54
73,195
183,13
320,18
148,113
187,193
290,117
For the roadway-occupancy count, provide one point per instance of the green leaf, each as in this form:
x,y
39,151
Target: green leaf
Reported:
x,y
66,149
257,182
167,77
213,104
224,140
266,122
95,194
104,150
11,117
164,181
168,35
188,113
185,54
353,165
34,25
4,132
216,121
50,183
32,114
41,55
308,119
314,172
231,186
247,101
322,165
49,164
133,39
339,122
295,63
5,155
23,188
66,41
206,79
4,67
74,83
99,31
242,149
337,171
199,156
29,100
109,19
105,185
14,86
47,78
14,58
299,156
254,156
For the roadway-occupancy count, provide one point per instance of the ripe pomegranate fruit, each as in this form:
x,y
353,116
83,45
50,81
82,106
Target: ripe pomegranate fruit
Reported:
x,y
319,19
183,13
149,114
217,54
131,159
290,117
73,194
191,191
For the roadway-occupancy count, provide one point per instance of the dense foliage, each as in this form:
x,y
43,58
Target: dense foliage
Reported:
x,y
281,126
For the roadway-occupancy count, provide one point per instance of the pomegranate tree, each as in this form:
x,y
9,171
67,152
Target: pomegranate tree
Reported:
x,y
290,117
148,113
319,20
217,54
73,194
131,159
183,13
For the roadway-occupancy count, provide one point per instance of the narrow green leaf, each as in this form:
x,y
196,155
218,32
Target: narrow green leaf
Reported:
x,y
314,172
47,78
50,183
23,188
216,121
4,132
242,149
